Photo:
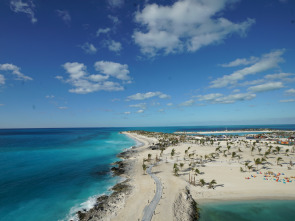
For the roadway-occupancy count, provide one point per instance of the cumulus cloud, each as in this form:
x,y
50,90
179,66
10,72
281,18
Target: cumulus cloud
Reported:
x,y
127,112
187,25
84,83
143,96
141,106
26,7
88,48
266,62
64,15
287,101
223,99
117,70
240,61
271,86
187,103
116,3
114,45
140,111
290,91
14,70
102,31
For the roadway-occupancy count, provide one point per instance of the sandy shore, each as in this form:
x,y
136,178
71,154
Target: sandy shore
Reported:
x,y
228,132
231,182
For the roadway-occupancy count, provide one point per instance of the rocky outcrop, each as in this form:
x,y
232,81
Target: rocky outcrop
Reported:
x,y
107,206
185,207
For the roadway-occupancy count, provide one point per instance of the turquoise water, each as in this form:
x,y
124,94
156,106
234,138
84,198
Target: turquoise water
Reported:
x,y
50,174
269,210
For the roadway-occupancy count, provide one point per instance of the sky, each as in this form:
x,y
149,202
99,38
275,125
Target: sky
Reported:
x,y
119,63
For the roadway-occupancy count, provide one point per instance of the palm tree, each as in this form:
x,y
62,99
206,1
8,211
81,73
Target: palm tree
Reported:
x,y
246,164
202,182
181,165
278,149
228,148
233,154
259,150
197,171
240,150
175,169
279,159
211,184
224,154
172,152
287,151
250,167
252,149
257,162
149,156
144,168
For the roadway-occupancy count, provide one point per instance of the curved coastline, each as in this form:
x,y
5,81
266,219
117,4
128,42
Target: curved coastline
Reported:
x,y
232,186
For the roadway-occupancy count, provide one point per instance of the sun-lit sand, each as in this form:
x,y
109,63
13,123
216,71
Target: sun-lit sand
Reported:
x,y
231,183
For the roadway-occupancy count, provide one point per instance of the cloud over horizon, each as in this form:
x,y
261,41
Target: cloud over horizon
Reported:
x,y
185,26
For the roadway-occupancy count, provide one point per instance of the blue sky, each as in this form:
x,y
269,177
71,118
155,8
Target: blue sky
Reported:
x,y
100,63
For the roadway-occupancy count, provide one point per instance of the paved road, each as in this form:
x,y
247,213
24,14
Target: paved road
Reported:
x,y
148,211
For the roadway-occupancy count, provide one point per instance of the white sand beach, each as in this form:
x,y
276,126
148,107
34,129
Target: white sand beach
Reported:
x,y
231,183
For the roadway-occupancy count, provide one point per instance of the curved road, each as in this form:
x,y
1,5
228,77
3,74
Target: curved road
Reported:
x,y
148,211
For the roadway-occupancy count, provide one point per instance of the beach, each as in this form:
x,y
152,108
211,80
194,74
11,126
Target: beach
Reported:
x,y
231,183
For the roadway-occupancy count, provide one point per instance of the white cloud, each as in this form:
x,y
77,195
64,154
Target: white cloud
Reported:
x,y
236,90
266,87
290,91
85,83
266,62
277,76
187,25
15,70
140,111
241,61
102,31
26,7
62,108
49,96
114,19
209,97
2,79
116,3
114,46
287,101
127,112
161,110
187,103
89,48
223,99
117,70
141,105
64,15
170,104
143,96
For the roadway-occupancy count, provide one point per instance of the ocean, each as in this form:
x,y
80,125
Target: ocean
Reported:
x,y
270,210
50,174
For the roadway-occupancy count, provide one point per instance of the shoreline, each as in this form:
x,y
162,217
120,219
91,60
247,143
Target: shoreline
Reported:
x,y
232,185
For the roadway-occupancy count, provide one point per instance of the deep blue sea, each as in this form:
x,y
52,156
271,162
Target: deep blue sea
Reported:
x,y
50,174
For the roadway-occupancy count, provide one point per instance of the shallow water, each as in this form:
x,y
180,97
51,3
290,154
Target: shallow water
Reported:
x,y
268,210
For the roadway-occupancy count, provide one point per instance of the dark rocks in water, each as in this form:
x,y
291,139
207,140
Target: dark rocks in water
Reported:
x,y
104,202
126,154
120,169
